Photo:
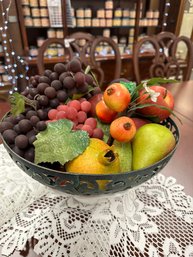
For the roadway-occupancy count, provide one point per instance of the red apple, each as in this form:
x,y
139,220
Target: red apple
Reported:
x,y
140,122
165,99
94,100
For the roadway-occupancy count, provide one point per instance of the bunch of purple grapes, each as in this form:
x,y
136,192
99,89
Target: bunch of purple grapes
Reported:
x,y
48,91
55,87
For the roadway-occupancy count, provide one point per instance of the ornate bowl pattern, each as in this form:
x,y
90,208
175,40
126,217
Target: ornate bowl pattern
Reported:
x,y
81,184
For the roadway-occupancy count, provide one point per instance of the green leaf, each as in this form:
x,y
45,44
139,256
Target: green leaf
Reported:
x,y
158,80
131,86
87,70
17,103
156,105
58,143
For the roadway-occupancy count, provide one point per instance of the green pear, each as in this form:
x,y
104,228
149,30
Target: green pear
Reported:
x,y
124,151
151,143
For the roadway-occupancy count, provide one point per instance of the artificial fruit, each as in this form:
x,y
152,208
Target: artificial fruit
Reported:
x,y
151,143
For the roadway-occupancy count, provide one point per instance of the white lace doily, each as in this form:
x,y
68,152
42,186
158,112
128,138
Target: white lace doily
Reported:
x,y
154,219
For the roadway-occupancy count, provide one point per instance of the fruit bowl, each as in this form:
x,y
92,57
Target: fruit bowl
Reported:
x,y
81,184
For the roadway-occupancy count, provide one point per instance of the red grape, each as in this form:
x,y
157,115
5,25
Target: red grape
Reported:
x,y
52,114
92,122
85,106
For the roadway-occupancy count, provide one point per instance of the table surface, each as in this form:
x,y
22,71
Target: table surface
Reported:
x,y
180,166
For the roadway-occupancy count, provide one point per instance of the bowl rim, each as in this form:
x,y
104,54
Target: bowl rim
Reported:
x,y
98,176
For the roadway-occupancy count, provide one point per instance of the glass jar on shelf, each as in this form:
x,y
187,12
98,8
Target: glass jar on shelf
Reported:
x,y
118,13
80,13
95,22
35,12
109,22
28,22
43,3
51,33
117,22
33,3
44,12
52,50
109,4
33,51
87,22
37,22
109,14
59,33
45,22
26,10
80,22
100,13
87,13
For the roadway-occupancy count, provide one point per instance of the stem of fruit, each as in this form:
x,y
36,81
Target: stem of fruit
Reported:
x,y
110,140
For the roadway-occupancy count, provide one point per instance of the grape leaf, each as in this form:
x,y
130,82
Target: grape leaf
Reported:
x,y
131,86
58,143
17,103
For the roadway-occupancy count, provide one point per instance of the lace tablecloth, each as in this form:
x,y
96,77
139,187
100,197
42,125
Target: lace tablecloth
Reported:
x,y
154,219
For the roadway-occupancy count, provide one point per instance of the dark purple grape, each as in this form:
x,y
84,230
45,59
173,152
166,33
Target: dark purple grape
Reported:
x,y
17,129
43,100
10,119
32,139
83,89
63,75
54,103
89,79
47,73
25,92
72,91
18,151
80,79
31,133
41,125
37,78
42,114
9,136
59,68
68,82
74,65
25,126
21,141
33,92
5,125
34,83
44,79
62,95
50,92
30,113
34,119
30,154
19,117
53,76
57,84
42,86
96,90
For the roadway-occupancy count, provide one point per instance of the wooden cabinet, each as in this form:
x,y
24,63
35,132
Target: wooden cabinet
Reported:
x,y
124,20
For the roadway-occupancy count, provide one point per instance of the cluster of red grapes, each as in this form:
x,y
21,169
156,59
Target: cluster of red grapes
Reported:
x,y
78,112
51,91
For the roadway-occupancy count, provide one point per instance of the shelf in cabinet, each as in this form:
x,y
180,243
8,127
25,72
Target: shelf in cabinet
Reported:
x,y
33,61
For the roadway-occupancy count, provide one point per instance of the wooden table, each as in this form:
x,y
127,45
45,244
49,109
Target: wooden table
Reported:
x,y
181,164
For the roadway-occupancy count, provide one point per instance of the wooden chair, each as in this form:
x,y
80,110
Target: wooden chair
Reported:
x,y
85,46
72,47
111,53
165,62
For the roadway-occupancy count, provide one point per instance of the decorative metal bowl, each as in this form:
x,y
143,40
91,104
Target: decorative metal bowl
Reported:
x,y
82,184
